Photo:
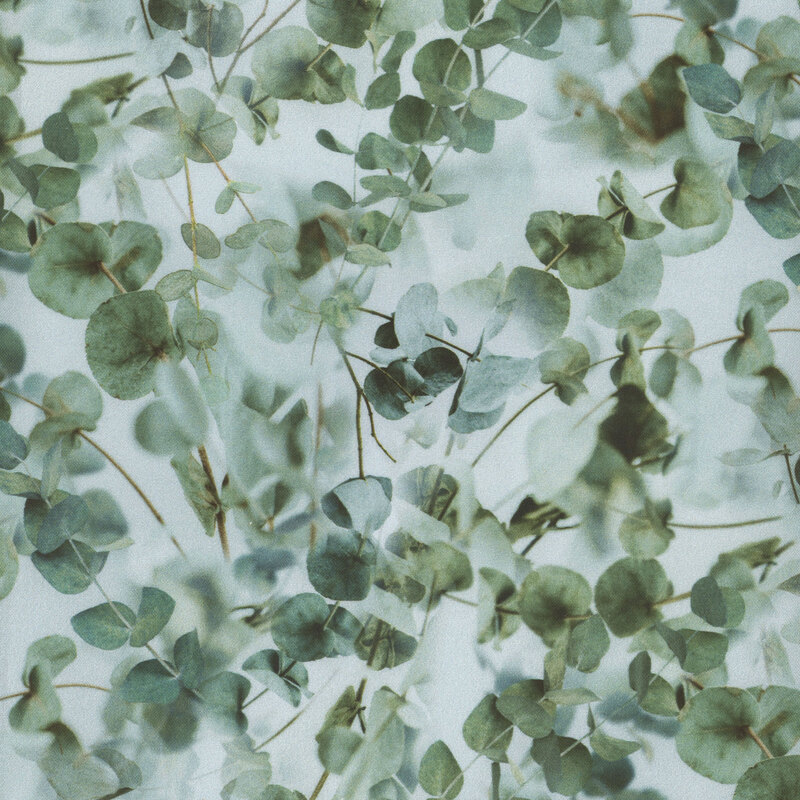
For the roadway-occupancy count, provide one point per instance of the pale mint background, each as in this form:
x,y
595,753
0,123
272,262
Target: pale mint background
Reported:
x,y
525,172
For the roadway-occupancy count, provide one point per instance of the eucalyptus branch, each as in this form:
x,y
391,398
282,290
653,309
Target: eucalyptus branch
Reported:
x,y
58,686
69,61
361,396
383,372
676,598
504,427
26,135
445,342
208,48
120,616
429,124
791,476
616,357
220,515
500,609
111,460
708,29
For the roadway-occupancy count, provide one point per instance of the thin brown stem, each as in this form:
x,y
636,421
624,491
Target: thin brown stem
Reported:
x,y
319,55
68,61
58,686
722,525
119,468
791,476
757,739
361,396
26,135
146,20
555,259
498,608
208,48
676,598
609,359
269,27
429,335
220,516
757,53
110,275
658,15
386,374
510,420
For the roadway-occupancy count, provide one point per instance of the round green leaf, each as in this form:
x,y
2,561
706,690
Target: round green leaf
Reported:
x,y
202,239
64,569
776,779
439,773
298,628
520,703
698,197
65,274
343,22
713,738
488,105
154,612
12,352
487,731
342,567
711,87
102,627
125,339
548,596
565,774
59,137
414,120
444,72
150,682
626,593
595,252
540,304
280,61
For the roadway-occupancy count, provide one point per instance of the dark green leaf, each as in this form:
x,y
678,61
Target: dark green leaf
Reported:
x,y
103,627
154,612
150,682
126,338
711,87
626,594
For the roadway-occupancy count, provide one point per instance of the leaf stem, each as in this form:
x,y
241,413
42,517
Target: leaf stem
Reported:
x,y
58,686
554,260
757,739
110,275
319,55
383,372
220,516
389,318
722,525
361,395
791,476
510,420
68,61
146,20
269,27
676,598
26,135
608,359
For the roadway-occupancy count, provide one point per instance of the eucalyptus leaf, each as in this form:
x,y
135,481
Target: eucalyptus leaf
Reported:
x,y
126,337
